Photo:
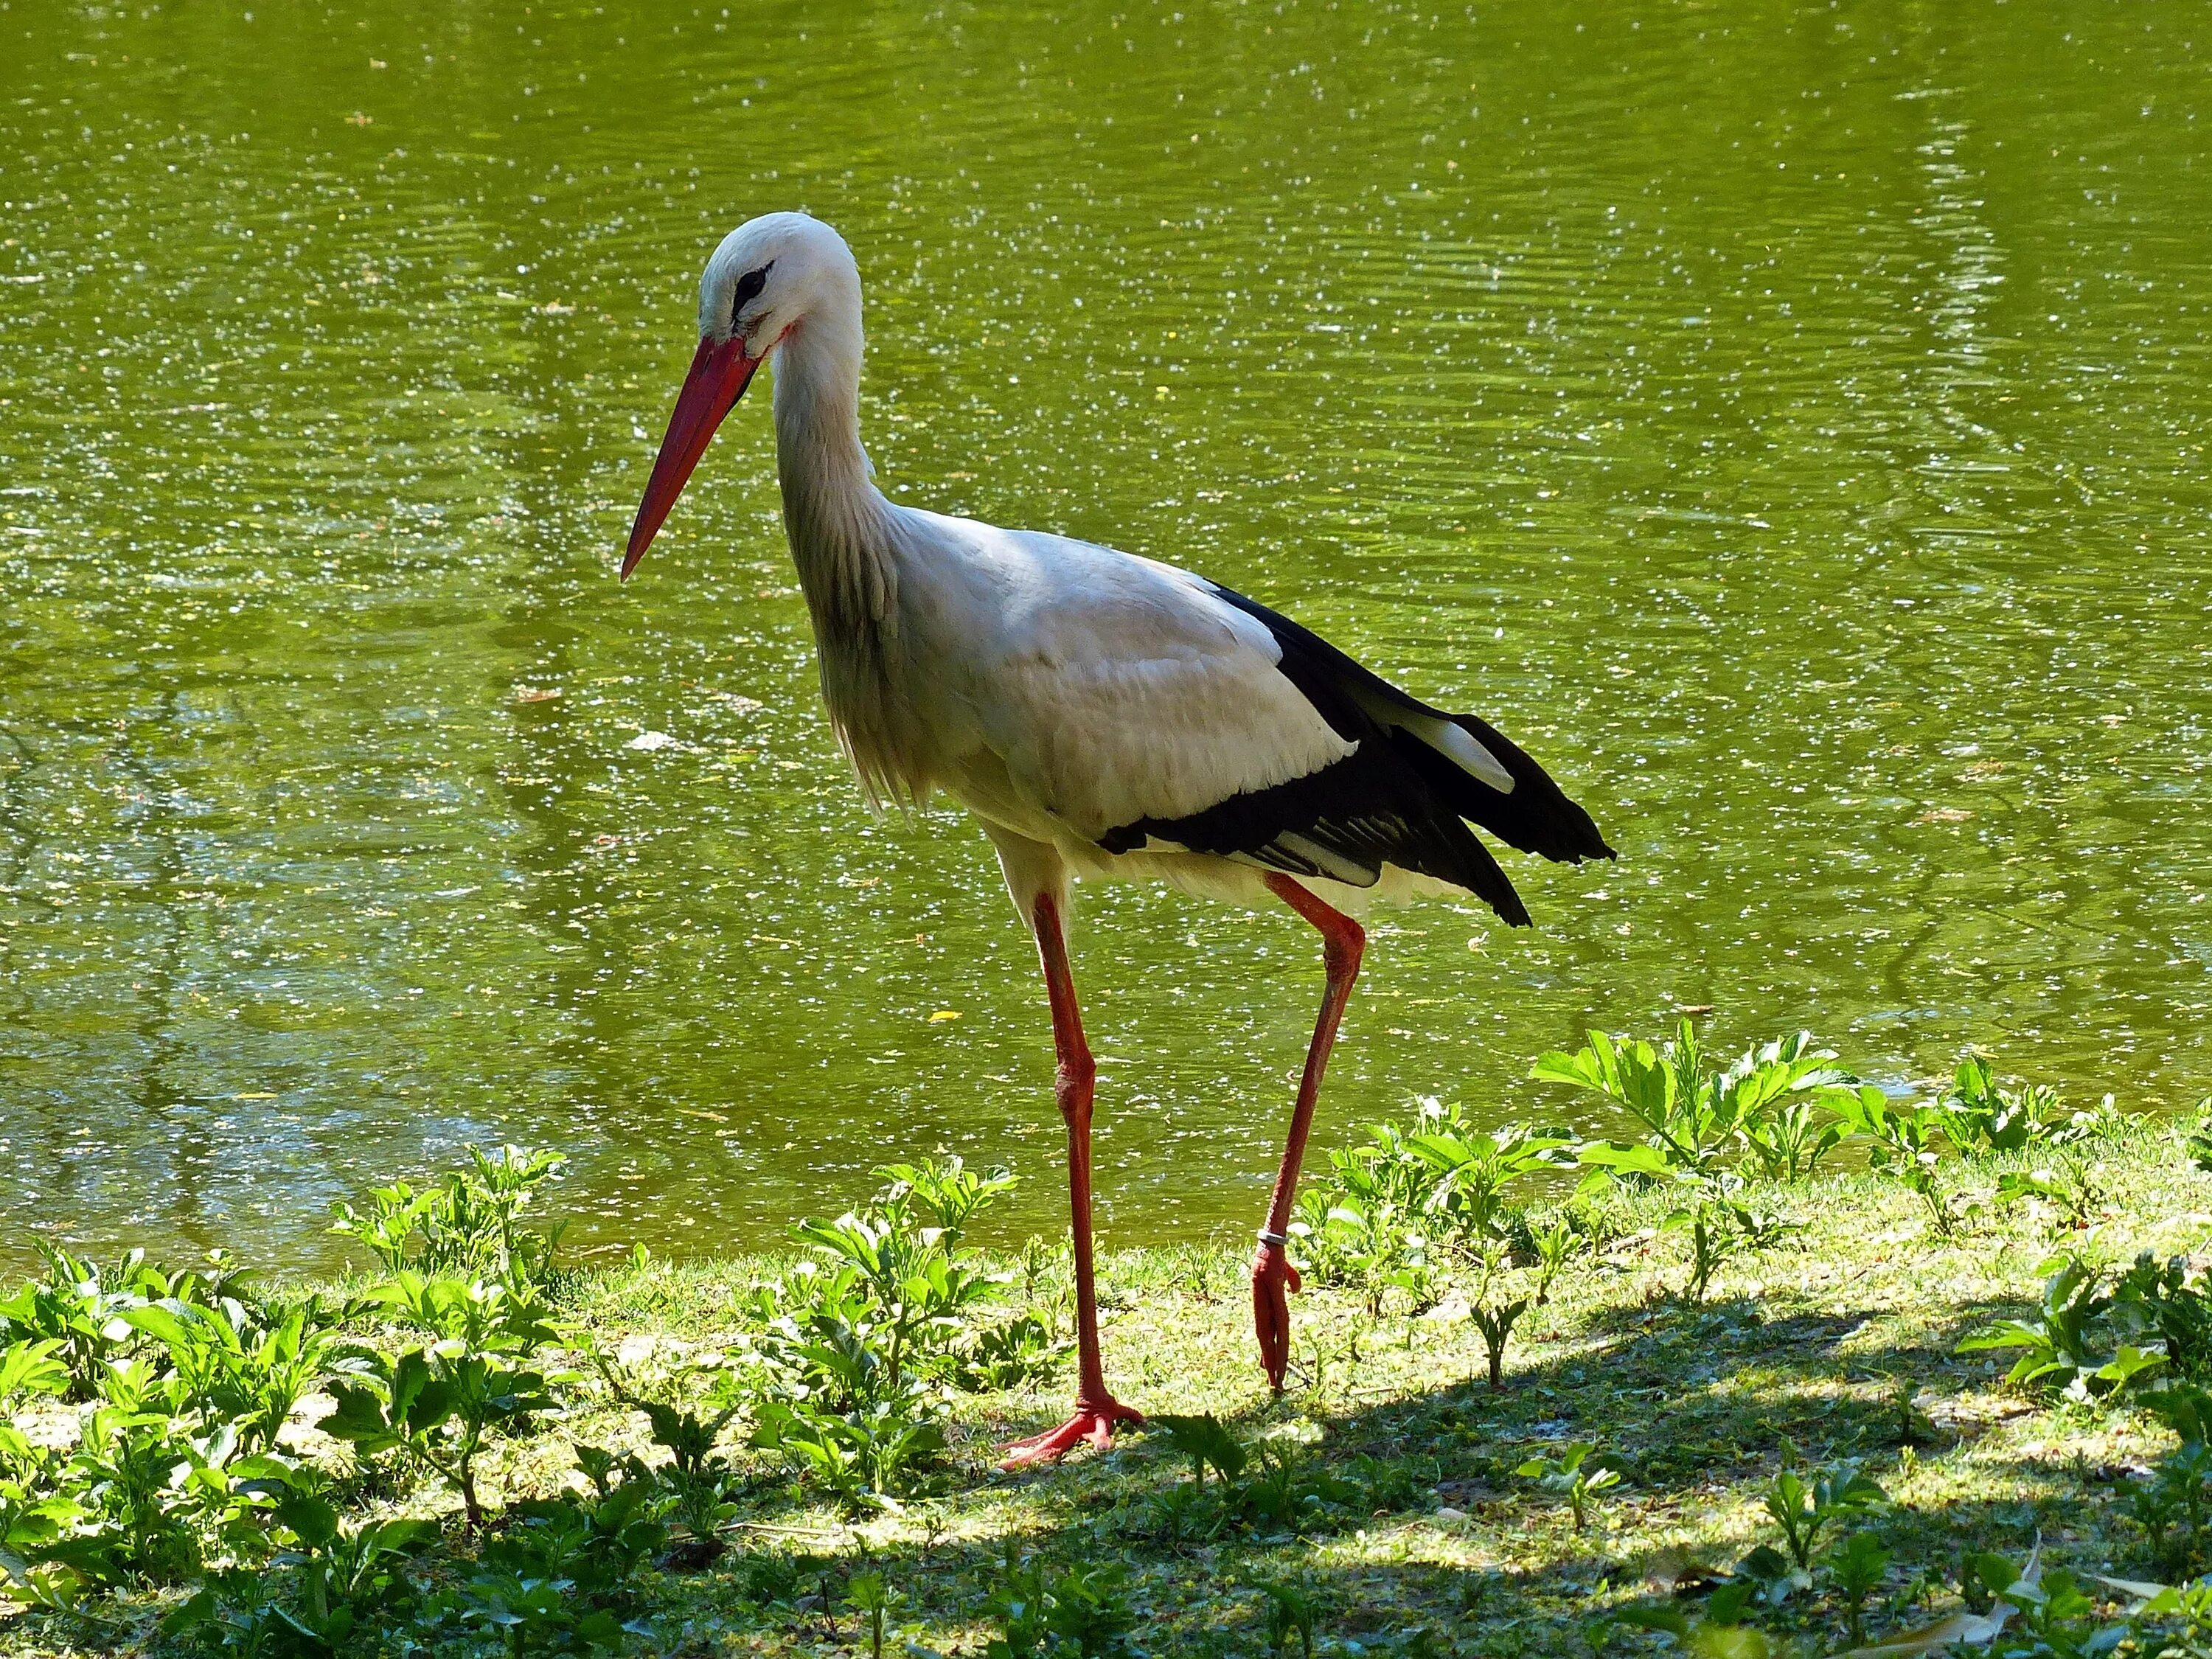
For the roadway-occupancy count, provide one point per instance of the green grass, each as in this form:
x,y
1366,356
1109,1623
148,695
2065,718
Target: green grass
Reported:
x,y
1837,1342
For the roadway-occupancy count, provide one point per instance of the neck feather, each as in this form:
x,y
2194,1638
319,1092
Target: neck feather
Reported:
x,y
842,534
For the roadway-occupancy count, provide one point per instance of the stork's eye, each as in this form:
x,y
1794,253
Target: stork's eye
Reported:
x,y
749,288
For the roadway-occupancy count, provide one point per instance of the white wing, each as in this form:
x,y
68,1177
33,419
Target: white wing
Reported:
x,y
1114,689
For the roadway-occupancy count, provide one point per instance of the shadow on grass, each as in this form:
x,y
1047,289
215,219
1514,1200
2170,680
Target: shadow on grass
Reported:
x,y
1704,1405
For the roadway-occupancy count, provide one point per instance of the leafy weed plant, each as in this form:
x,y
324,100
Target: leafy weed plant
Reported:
x,y
1580,1474
1760,1109
864,1341
469,1227
1805,1509
2060,1345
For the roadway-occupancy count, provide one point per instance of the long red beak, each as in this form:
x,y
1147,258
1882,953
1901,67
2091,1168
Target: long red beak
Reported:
x,y
718,379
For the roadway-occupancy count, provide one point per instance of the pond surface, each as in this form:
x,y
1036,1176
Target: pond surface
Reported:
x,y
1788,422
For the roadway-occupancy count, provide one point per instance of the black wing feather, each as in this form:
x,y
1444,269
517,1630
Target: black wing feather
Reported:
x,y
1535,818
1393,800
1344,822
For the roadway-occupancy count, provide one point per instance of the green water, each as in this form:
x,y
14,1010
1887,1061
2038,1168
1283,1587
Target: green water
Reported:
x,y
1788,422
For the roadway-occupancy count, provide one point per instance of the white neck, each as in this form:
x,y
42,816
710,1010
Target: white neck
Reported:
x,y
842,540
829,492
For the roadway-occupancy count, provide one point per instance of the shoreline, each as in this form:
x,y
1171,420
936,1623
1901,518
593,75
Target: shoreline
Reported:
x,y
1837,1340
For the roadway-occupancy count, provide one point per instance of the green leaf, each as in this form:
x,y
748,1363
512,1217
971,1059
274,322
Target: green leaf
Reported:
x,y
2185,1409
1660,1616
359,1415
400,1536
162,1325
411,1375
1580,1071
1203,1438
1997,1575
313,1518
27,1368
1730,1642
1620,1160
600,1630
434,1401
1858,1562
1764,1565
2127,1364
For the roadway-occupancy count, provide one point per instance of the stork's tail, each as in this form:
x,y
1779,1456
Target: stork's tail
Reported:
x,y
1475,771
1533,815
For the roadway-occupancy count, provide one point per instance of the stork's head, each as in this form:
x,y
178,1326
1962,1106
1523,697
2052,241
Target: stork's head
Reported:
x,y
771,278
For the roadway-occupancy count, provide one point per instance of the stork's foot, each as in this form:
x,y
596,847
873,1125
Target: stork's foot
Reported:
x,y
1273,1279
1094,1423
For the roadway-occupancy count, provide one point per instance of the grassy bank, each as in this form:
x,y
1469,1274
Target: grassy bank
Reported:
x,y
1391,1501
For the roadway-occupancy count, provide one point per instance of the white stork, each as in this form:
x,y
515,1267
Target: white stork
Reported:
x,y
1101,715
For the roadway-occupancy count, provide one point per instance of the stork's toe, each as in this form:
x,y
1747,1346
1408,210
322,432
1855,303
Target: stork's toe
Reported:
x,y
1273,1280
1094,1423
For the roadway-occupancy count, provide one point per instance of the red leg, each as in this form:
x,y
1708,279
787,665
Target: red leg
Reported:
x,y
1096,1411
1272,1276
